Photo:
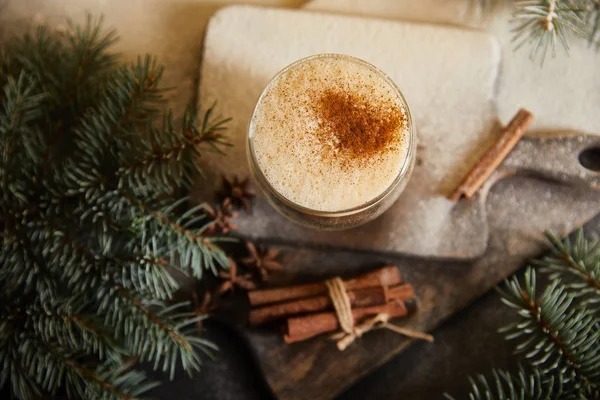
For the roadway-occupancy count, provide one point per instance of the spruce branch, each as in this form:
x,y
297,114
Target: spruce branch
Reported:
x,y
132,383
131,96
52,362
169,156
177,237
557,335
551,332
73,329
42,371
89,237
24,386
526,384
149,274
25,270
165,336
39,55
577,262
124,310
162,329
593,21
168,336
544,25
88,45
20,143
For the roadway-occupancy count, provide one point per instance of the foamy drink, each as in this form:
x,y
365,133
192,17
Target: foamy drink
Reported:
x,y
330,133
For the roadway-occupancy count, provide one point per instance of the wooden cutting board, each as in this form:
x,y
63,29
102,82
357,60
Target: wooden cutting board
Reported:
x,y
448,76
520,208
452,107
515,213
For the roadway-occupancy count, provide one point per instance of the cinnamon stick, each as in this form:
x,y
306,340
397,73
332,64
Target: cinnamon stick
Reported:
x,y
386,276
401,292
507,140
305,327
370,296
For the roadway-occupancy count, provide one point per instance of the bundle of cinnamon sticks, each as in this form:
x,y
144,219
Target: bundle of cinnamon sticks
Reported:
x,y
307,310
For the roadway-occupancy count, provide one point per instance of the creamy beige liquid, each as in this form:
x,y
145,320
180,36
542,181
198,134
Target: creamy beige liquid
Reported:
x,y
330,133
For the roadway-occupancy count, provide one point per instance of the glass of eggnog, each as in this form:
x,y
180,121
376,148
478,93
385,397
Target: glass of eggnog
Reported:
x,y
331,142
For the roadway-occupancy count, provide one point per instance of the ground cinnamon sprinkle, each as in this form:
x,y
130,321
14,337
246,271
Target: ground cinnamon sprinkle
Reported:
x,y
355,128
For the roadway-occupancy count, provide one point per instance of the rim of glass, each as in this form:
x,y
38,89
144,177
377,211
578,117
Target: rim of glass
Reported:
x,y
258,173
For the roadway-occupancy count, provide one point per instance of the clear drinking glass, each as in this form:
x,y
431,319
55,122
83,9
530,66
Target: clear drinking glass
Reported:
x,y
340,219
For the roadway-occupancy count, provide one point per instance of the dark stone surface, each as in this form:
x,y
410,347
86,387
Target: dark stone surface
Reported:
x,y
232,375
519,209
466,344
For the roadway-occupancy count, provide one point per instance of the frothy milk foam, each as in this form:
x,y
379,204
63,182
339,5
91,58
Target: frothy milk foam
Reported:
x,y
330,133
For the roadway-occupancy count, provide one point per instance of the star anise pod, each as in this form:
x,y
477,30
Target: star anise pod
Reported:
x,y
233,279
238,190
206,306
203,308
221,216
263,259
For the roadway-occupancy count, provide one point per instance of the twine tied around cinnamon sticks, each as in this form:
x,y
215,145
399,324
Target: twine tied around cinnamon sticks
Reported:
x,y
350,331
365,302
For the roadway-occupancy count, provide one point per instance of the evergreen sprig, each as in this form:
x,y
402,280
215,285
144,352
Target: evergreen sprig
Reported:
x,y
557,331
544,25
577,262
526,384
91,226
554,334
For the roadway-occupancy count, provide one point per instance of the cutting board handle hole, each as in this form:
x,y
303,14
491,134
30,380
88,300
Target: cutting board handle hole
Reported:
x,y
590,159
